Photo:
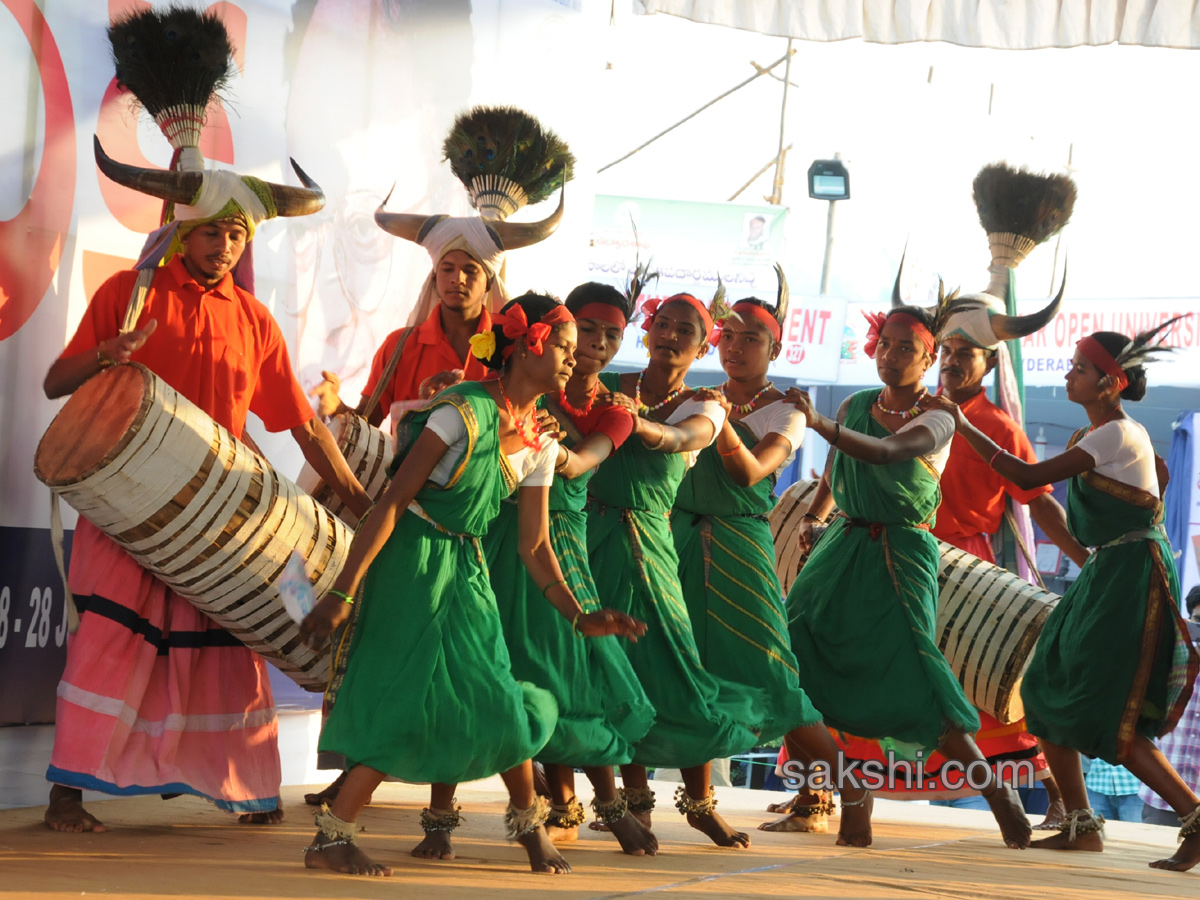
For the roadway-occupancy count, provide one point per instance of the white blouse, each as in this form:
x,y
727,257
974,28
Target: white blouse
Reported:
x,y
534,468
1123,452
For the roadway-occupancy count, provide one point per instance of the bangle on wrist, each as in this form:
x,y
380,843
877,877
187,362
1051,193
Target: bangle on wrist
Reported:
x,y
346,598
662,436
103,358
992,461
837,433
546,589
736,448
813,517
558,467
575,623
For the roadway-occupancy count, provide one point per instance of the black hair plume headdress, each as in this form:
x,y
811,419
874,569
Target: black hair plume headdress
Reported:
x,y
1140,350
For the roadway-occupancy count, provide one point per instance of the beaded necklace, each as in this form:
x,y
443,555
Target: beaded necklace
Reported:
x,y
578,413
521,426
902,413
642,407
748,406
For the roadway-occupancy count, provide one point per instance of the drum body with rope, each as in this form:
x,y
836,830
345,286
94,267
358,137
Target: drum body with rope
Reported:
x,y
194,506
988,618
368,451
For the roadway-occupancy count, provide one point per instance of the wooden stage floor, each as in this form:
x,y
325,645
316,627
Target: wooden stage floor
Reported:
x,y
186,848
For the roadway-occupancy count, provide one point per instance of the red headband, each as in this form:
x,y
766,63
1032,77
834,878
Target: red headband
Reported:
x,y
651,307
603,312
877,319
754,310
515,325
1103,360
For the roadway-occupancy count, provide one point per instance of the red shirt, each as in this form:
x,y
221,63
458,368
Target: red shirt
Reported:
x,y
218,347
972,492
427,353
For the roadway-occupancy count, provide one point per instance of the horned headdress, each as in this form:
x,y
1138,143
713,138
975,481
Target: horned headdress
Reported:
x,y
506,159
175,62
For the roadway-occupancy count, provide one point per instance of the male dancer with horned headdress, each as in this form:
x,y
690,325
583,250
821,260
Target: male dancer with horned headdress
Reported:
x,y
156,697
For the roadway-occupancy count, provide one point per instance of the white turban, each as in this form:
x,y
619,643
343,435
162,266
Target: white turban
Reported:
x,y
973,325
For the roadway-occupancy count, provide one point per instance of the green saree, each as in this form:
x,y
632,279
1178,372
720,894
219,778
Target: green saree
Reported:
x,y
602,709
863,609
699,716
1114,659
733,596
428,694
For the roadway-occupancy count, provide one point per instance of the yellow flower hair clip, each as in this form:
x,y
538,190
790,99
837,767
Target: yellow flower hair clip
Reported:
x,y
483,345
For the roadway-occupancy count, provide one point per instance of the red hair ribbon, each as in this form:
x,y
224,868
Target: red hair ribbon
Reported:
x,y
515,325
877,320
1103,360
651,307
742,308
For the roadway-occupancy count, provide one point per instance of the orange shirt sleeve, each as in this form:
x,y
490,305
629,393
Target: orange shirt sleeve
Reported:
x,y
378,363
104,314
278,398
1019,445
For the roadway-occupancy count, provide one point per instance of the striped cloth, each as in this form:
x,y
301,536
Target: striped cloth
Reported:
x,y
1182,749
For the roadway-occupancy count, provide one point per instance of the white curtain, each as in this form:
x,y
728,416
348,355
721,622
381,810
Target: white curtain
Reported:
x,y
1001,24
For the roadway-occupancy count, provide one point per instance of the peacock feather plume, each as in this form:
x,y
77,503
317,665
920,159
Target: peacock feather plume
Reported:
x,y
719,308
506,158
1017,201
176,56
640,278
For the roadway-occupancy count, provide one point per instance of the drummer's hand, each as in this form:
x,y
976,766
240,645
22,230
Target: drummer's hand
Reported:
x,y
610,621
121,347
329,404
940,401
435,384
803,402
326,616
804,536
546,423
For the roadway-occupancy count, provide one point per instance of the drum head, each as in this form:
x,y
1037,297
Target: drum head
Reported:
x,y
94,425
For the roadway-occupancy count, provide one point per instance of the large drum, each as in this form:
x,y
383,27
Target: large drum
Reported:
x,y
988,618
195,506
368,451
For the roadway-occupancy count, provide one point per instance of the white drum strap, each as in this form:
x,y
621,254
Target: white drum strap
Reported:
x,y
56,541
1020,541
137,299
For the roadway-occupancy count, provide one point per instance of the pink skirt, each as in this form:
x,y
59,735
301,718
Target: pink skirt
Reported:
x,y
156,697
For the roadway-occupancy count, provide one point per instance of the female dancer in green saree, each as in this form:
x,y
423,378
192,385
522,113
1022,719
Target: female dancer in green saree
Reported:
x,y
1114,666
602,708
428,694
863,607
719,525
700,716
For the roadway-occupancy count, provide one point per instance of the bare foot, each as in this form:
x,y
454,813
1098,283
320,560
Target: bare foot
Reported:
x,y
805,813
784,807
634,837
561,835
435,845
1184,858
855,829
1006,806
341,858
718,830
327,794
543,858
272,817
1092,842
65,812
1055,814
